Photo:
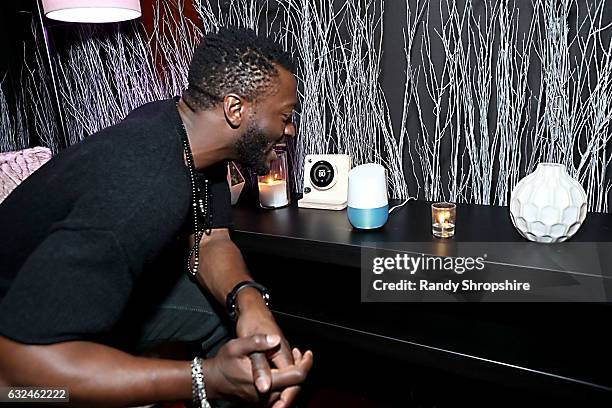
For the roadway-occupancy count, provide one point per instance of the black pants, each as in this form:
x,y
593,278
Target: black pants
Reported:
x,y
168,306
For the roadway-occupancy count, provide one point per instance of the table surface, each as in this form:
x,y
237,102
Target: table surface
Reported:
x,y
412,222
329,237
561,341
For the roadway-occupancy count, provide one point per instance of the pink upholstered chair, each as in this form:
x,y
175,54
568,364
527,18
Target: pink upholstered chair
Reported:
x,y
17,166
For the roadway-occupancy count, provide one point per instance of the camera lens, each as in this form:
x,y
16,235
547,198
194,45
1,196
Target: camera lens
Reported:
x,y
322,174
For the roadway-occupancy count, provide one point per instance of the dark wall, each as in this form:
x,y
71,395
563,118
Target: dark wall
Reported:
x,y
21,25
16,43
393,70
16,18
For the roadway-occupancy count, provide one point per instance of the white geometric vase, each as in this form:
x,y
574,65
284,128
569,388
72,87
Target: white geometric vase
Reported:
x,y
548,205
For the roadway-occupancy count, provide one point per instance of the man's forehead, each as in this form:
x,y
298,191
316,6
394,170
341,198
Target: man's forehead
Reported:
x,y
285,76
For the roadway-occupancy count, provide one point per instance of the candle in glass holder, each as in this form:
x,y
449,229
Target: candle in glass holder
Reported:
x,y
443,219
273,193
273,188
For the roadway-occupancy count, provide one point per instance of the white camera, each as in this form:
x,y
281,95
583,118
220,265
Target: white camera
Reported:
x,y
325,181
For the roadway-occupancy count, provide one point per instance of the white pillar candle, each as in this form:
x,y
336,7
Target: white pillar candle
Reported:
x,y
273,193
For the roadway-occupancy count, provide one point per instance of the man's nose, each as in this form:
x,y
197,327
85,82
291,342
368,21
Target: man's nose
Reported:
x,y
290,130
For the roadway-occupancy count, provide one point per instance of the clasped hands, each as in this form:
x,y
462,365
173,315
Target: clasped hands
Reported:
x,y
258,367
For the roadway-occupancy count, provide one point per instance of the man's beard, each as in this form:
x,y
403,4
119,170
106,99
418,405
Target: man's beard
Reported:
x,y
252,149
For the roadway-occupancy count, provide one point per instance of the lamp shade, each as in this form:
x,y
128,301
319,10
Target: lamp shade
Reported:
x,y
92,11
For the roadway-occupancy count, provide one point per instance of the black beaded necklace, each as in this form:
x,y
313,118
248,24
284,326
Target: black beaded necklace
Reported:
x,y
200,203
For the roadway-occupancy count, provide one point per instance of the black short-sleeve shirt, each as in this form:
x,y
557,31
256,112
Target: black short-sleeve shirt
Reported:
x,y
77,233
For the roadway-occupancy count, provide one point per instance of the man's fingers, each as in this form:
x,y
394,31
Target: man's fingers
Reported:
x,y
279,404
282,358
305,361
287,397
262,377
254,346
292,375
244,346
286,377
272,398
297,356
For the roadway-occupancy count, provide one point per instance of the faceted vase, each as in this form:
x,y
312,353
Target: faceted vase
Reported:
x,y
548,205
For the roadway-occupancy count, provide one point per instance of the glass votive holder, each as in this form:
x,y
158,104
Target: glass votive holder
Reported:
x,y
443,219
274,186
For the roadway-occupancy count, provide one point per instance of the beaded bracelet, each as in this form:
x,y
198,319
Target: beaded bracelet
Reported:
x,y
198,389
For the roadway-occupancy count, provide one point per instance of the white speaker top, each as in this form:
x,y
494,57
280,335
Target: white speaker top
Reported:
x,y
367,186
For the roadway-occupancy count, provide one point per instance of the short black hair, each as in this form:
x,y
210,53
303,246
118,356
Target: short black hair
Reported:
x,y
233,60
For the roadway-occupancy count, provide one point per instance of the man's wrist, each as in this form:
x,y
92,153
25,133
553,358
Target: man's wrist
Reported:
x,y
234,306
211,378
250,299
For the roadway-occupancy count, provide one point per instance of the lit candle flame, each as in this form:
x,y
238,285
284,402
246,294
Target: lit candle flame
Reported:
x,y
443,216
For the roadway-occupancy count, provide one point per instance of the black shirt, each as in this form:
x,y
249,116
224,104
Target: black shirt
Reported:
x,y
76,234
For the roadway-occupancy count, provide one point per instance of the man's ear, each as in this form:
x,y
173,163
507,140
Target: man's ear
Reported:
x,y
234,108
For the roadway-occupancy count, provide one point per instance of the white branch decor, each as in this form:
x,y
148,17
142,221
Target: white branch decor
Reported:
x,y
342,106
491,87
563,118
32,98
108,73
13,135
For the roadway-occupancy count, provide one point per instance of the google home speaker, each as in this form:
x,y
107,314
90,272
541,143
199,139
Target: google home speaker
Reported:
x,y
325,181
368,206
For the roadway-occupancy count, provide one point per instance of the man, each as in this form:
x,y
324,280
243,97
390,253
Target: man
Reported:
x,y
94,246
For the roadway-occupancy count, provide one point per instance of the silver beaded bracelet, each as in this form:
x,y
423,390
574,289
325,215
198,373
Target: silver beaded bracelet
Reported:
x,y
198,389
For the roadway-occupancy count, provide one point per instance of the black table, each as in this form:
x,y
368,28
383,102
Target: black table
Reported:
x,y
310,259
328,236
